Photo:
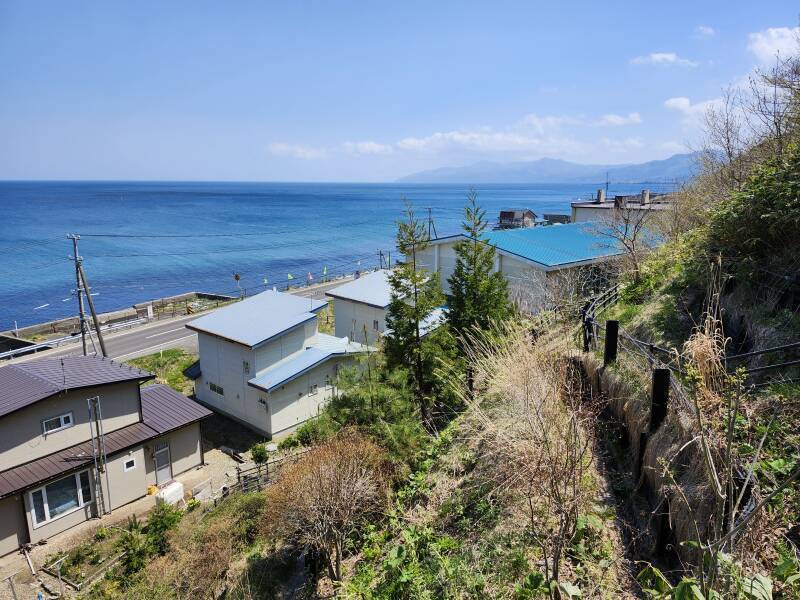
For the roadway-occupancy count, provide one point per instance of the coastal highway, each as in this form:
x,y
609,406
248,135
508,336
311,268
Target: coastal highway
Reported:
x,y
157,335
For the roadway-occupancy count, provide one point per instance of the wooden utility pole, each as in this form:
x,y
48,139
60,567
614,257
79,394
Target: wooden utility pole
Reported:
x,y
78,287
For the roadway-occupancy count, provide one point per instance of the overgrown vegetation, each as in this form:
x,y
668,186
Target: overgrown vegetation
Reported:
x,y
168,367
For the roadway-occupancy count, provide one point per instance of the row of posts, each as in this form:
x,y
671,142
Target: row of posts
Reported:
x,y
659,388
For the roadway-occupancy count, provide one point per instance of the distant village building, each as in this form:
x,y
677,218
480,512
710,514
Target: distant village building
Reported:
x,y
600,207
360,308
527,257
62,464
554,219
264,362
516,218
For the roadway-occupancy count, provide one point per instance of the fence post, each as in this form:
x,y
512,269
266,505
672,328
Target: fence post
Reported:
x,y
659,395
610,349
585,326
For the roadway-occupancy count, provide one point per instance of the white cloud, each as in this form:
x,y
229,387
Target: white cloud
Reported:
x,y
548,123
488,141
774,41
663,59
613,120
624,145
674,147
693,114
366,148
297,151
704,31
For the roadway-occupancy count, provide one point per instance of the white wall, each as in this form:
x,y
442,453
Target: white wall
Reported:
x,y
350,318
291,405
222,363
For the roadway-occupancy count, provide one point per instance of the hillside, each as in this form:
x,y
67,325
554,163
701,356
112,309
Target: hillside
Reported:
x,y
551,170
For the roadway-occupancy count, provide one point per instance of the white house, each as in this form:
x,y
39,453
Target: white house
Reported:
x,y
360,308
264,363
527,257
600,208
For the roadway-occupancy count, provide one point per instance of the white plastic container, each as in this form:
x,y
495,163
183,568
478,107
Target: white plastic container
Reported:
x,y
171,493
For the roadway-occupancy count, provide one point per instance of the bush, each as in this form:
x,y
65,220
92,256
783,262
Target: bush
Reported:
x,y
259,453
315,431
164,518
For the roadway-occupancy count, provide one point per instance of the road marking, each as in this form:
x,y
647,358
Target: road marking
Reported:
x,y
156,347
147,337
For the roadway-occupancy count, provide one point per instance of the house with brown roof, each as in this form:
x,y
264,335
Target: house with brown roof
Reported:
x,y
80,437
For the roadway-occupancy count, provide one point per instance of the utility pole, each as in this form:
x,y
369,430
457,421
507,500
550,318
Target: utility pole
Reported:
x,y
380,258
78,287
431,225
88,291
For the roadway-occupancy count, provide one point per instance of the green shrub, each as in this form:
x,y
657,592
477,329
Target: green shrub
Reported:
x,y
163,518
259,453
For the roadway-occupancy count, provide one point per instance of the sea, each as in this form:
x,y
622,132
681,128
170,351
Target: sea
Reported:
x,y
146,240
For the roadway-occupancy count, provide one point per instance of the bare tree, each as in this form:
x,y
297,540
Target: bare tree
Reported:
x,y
560,293
628,228
321,500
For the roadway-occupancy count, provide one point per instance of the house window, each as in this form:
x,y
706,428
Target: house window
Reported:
x,y
60,497
129,464
375,324
246,367
217,389
312,390
57,423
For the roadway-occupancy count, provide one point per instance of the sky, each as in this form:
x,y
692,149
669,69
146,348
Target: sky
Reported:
x,y
363,91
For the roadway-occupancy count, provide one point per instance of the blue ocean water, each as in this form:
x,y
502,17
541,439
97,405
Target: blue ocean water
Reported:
x,y
142,241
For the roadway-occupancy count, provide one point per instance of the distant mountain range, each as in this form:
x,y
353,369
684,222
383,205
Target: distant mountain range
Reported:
x,y
552,170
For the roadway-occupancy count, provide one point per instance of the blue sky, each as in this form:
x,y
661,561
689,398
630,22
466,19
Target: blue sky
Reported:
x,y
349,91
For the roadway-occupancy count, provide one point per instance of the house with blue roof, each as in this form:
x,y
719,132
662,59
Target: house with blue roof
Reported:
x,y
528,256
264,363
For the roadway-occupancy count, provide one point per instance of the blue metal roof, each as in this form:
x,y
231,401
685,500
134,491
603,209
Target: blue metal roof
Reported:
x,y
294,365
259,318
554,245
371,288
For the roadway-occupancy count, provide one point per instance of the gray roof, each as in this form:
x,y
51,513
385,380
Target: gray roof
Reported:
x,y
294,365
163,410
372,289
259,318
26,383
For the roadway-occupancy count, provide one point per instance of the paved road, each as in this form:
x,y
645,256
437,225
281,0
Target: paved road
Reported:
x,y
155,336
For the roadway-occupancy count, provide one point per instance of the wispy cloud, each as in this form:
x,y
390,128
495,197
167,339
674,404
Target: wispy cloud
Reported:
x,y
487,140
772,42
366,148
704,31
297,151
623,145
693,113
613,120
664,59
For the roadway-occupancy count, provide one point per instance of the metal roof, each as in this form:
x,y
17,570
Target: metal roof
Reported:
x,y
26,383
163,410
372,289
301,362
259,318
551,246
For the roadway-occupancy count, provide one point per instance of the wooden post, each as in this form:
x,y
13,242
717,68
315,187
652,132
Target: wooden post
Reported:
x,y
585,327
659,395
610,349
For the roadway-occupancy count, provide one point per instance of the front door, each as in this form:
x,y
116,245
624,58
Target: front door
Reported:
x,y
163,464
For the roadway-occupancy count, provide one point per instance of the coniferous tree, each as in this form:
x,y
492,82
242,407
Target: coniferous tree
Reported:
x,y
478,294
415,294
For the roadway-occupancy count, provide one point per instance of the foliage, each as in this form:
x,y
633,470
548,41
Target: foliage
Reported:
x,y
162,519
258,453
478,294
757,228
321,499
168,367
415,294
